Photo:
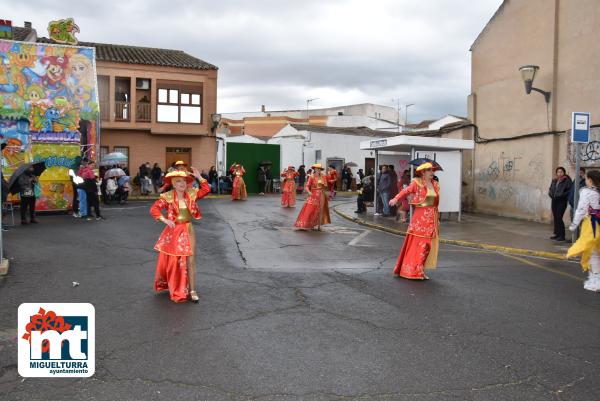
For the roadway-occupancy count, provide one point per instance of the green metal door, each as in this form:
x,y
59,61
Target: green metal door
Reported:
x,y
250,155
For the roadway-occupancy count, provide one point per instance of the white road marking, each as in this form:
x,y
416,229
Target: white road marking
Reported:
x,y
359,237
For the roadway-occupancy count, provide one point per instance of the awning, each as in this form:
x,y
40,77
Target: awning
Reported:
x,y
405,143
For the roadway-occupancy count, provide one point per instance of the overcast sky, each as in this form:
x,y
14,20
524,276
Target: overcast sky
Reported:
x,y
278,53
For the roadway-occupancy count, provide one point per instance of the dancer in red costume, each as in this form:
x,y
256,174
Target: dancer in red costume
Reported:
x,y
332,178
420,248
239,186
176,267
315,211
288,192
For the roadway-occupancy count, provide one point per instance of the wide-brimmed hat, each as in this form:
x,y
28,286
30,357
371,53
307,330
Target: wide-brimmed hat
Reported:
x,y
317,166
178,174
290,167
180,163
425,166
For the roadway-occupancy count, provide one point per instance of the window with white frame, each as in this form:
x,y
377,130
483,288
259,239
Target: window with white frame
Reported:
x,y
179,104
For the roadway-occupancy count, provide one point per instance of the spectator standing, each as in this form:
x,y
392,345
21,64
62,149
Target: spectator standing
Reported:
x,y
261,174
365,194
385,189
156,175
27,182
361,176
559,193
269,180
144,175
345,179
213,179
301,178
378,202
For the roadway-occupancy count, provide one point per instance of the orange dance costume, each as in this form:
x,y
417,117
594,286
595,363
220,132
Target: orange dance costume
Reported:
x,y
315,211
239,186
288,192
176,246
420,248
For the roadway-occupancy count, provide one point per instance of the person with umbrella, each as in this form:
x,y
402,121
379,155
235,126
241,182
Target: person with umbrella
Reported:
x,y
315,211
23,181
420,248
239,186
288,192
176,268
27,181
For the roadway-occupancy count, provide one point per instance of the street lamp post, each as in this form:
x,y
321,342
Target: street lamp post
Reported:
x,y
216,120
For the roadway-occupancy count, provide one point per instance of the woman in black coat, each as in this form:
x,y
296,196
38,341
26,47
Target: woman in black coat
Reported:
x,y
301,179
559,193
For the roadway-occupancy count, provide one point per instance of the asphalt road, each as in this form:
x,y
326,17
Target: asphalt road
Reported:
x,y
288,315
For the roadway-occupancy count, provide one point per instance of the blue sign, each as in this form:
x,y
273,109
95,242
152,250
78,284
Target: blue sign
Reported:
x,y
580,127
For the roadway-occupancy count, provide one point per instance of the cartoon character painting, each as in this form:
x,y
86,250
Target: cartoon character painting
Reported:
x,y
63,31
81,82
47,93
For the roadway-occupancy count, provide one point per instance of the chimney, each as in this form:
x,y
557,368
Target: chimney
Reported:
x,y
27,24
262,108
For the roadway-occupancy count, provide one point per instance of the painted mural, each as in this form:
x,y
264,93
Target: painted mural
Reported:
x,y
48,111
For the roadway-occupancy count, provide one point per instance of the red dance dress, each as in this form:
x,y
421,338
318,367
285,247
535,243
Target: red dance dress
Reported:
x,y
176,245
239,186
332,179
420,248
288,192
315,211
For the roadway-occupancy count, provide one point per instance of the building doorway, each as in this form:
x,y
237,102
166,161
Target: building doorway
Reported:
x,y
369,164
176,154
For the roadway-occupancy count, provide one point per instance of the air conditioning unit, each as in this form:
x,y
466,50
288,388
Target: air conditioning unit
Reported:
x,y
142,84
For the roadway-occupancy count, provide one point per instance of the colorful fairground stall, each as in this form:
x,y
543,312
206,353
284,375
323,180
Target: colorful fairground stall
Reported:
x,y
48,111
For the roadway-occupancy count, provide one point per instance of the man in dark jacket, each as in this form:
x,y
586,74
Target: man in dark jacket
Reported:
x,y
27,182
385,189
365,194
559,193
262,179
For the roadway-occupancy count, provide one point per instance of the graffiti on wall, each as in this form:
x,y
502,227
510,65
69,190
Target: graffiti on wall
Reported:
x,y
590,152
511,181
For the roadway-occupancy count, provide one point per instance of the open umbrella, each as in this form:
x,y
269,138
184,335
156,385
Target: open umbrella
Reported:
x,y
113,158
421,160
38,169
114,172
265,163
351,164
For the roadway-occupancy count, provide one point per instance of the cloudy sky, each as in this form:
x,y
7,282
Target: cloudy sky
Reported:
x,y
279,53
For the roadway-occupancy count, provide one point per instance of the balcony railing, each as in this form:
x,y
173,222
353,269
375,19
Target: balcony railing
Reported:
x,y
142,112
104,111
122,111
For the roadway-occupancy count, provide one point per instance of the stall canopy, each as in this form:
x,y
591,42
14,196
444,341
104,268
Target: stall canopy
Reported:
x,y
446,151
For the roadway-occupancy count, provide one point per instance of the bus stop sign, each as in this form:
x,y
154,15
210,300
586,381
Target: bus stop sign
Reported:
x,y
580,127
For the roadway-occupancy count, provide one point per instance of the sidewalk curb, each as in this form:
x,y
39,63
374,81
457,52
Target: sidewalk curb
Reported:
x,y
468,244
